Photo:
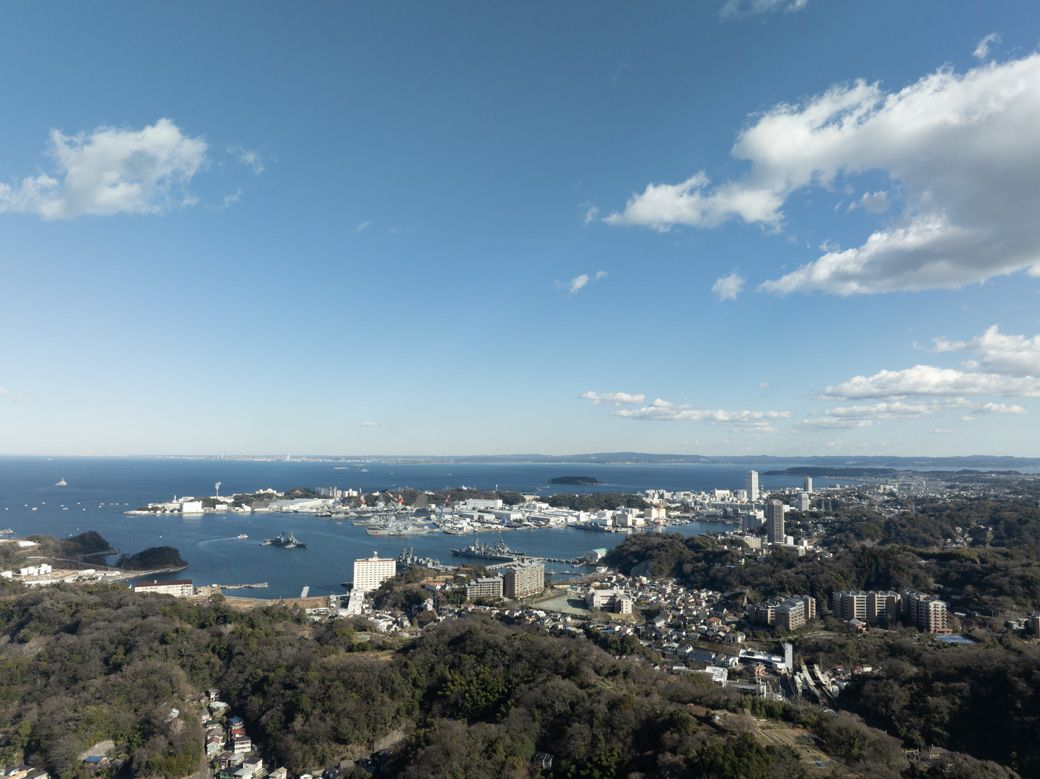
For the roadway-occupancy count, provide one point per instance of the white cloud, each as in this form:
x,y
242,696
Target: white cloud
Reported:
x,y
984,45
251,159
728,287
614,398
689,202
891,409
872,203
362,226
111,171
999,408
663,410
231,198
1017,355
929,380
864,415
961,148
582,280
832,423
368,423
734,9
590,215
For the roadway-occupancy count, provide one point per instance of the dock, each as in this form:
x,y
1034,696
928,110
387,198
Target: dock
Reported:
x,y
254,586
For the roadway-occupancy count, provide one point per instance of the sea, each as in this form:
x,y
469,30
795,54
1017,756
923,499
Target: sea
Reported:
x,y
100,490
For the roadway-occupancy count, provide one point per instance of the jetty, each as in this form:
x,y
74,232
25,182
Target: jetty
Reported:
x,y
254,586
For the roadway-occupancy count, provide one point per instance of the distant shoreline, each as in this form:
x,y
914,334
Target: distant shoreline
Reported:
x,y
902,462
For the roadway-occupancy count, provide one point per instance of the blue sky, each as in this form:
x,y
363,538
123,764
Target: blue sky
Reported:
x,y
768,226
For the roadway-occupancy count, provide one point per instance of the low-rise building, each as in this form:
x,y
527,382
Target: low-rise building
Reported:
x,y
178,588
609,600
786,613
489,587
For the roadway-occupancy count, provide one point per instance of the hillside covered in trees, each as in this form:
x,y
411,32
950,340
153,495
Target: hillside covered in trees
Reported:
x,y
470,697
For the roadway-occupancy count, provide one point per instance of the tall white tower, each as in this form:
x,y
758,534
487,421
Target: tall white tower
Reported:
x,y
752,486
808,485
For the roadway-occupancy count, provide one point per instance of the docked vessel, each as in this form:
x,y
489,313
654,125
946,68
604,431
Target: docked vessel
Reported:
x,y
285,541
497,553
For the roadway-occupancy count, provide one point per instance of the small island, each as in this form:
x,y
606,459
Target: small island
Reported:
x,y
153,558
579,481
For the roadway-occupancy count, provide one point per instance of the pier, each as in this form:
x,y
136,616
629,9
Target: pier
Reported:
x,y
532,559
254,586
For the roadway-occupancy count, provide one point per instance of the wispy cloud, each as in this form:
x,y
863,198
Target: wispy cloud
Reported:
x,y
590,215
999,408
368,423
872,203
864,415
664,410
614,398
981,51
231,198
728,287
248,157
582,280
111,171
360,227
736,9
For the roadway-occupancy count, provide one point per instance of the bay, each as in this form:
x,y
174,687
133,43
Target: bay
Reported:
x,y
101,490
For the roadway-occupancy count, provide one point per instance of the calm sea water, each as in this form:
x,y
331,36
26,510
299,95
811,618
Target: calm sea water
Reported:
x,y
100,490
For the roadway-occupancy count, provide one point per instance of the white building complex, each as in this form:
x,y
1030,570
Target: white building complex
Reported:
x,y
178,588
370,572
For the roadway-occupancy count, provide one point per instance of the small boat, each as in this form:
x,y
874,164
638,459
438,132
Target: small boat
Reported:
x,y
61,483
241,536
6,532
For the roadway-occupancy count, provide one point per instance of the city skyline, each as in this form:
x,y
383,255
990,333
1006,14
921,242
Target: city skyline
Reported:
x,y
784,228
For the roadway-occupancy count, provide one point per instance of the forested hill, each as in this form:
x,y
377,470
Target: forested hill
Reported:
x,y
470,698
152,558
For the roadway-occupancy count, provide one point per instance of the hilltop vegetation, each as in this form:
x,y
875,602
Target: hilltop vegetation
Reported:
x,y
152,558
471,697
